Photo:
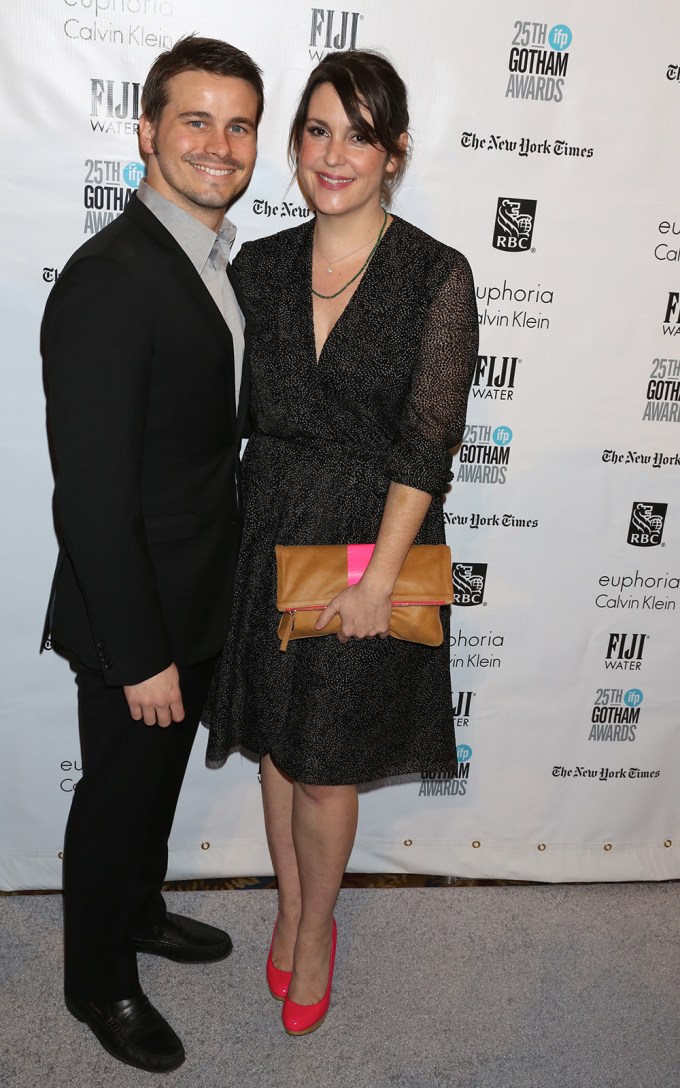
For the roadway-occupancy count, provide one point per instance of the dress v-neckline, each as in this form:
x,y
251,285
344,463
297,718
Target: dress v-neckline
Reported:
x,y
310,298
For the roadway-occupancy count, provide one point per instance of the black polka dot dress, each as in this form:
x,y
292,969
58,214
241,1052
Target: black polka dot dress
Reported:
x,y
385,401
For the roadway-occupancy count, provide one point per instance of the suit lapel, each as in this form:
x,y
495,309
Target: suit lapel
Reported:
x,y
244,392
185,273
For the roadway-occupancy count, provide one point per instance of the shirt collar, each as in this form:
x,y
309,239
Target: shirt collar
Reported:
x,y
194,237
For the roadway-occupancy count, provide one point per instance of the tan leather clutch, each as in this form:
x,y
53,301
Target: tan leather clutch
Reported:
x,y
308,576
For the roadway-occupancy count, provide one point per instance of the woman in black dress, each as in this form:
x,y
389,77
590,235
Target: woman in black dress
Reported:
x,y
364,338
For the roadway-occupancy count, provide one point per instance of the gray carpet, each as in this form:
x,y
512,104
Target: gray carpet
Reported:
x,y
485,987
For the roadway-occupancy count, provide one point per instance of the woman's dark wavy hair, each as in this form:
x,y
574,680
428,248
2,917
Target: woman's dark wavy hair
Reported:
x,y
192,54
361,78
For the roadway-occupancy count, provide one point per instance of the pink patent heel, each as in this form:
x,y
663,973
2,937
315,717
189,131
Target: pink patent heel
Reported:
x,y
277,980
302,1019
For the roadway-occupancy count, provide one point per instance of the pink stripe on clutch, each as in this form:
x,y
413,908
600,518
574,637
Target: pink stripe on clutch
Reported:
x,y
358,558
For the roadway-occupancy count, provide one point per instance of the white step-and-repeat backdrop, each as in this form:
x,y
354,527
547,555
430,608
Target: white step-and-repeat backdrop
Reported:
x,y
546,150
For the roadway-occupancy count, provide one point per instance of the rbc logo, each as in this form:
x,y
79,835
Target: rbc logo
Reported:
x,y
514,225
463,753
646,524
469,580
133,174
502,436
559,37
633,697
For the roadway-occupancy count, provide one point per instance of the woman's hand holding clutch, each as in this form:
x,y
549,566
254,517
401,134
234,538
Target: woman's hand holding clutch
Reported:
x,y
364,612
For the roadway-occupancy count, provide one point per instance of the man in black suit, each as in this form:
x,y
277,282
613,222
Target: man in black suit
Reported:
x,y
143,344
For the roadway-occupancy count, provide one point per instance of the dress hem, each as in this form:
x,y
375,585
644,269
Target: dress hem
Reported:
x,y
447,768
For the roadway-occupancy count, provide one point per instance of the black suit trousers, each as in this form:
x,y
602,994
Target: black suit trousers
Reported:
x,y
116,843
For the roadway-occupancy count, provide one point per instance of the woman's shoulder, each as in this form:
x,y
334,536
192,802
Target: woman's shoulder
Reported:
x,y
282,242
434,255
270,260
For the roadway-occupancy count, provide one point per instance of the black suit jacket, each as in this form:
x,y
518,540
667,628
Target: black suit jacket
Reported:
x,y
144,438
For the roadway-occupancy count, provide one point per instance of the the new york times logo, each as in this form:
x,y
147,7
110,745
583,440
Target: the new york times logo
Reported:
x,y
646,524
469,581
625,650
514,226
115,106
332,30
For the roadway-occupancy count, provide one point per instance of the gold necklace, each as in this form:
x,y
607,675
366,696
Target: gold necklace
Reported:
x,y
363,267
331,264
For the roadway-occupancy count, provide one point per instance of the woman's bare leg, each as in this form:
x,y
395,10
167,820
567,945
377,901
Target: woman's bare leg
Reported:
x,y
277,799
324,822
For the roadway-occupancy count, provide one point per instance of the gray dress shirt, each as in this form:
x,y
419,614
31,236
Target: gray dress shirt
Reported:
x,y
209,254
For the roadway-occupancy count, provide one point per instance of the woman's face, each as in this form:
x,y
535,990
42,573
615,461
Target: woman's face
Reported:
x,y
337,169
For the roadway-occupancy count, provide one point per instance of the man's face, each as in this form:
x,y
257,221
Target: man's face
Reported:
x,y
203,149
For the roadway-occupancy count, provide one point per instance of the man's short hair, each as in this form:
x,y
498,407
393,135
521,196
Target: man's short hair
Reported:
x,y
192,54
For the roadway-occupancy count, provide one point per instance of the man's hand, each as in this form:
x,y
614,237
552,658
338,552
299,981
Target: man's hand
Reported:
x,y
157,700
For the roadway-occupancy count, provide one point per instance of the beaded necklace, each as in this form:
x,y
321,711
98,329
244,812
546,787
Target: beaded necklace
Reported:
x,y
363,267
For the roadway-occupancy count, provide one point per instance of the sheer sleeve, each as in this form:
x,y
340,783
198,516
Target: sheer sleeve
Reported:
x,y
433,419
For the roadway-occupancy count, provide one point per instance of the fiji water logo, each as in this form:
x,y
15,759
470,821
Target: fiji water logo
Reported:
x,y
647,522
463,753
331,30
133,173
625,650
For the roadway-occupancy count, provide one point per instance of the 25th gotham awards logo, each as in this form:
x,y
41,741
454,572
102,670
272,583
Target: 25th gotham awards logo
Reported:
x,y
647,522
538,61
469,582
448,783
514,224
484,454
616,714
332,30
109,184
663,392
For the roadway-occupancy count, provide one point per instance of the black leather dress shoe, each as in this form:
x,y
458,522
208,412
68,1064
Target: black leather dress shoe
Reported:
x,y
184,940
132,1031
